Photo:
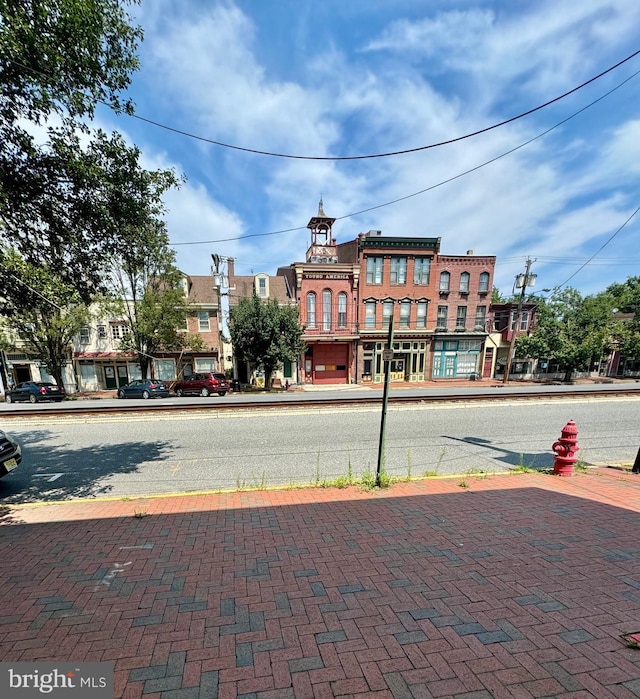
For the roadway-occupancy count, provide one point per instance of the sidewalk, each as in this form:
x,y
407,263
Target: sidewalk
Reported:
x,y
497,587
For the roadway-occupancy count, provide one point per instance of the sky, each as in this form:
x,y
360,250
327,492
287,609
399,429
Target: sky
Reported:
x,y
345,78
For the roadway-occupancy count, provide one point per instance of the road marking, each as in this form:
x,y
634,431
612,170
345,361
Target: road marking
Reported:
x,y
49,476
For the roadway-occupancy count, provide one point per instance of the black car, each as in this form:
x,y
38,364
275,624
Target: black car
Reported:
x,y
35,392
10,454
144,389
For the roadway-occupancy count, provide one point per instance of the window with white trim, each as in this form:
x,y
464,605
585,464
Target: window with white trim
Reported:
x,y
421,317
387,312
370,314
374,270
398,270
203,321
326,309
443,311
445,281
464,282
405,314
84,336
461,319
311,310
342,310
483,286
421,270
118,332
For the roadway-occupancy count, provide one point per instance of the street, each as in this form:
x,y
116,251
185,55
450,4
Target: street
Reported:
x,y
146,454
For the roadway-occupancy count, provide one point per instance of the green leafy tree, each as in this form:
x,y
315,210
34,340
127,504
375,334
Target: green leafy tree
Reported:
x,y
148,291
44,313
571,330
63,201
265,334
623,300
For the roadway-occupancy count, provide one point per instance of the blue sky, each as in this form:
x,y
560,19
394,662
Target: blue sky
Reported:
x,y
349,77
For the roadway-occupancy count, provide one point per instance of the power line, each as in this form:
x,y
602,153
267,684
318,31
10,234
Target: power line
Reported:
x,y
391,153
431,187
595,254
274,154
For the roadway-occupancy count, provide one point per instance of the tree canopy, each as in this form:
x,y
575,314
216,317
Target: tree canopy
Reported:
x,y
47,315
571,330
69,195
265,334
150,295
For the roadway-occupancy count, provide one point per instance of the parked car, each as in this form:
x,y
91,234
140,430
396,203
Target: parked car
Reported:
x,y
35,391
202,385
10,454
144,389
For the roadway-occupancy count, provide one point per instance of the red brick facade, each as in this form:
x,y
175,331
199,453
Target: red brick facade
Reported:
x,y
347,292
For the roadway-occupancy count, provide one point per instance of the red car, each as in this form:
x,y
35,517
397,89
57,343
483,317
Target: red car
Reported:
x,y
202,385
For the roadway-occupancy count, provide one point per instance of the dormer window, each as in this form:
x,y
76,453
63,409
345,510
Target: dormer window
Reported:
x,y
262,287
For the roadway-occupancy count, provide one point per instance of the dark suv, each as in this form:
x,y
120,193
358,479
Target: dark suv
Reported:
x,y
202,385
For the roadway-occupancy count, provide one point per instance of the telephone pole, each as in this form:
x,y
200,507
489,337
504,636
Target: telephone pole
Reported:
x,y
522,282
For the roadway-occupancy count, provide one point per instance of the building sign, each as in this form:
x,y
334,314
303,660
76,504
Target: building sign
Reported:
x,y
325,275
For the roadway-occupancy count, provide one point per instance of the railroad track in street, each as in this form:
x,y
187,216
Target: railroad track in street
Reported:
x,y
288,401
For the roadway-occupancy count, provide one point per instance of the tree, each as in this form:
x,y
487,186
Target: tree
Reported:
x,y
624,303
87,211
571,330
265,334
63,203
45,313
148,290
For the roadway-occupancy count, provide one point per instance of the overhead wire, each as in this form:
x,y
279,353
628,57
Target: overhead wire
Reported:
x,y
431,187
405,151
595,254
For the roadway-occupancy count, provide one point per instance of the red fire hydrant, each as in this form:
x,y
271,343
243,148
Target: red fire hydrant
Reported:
x,y
565,449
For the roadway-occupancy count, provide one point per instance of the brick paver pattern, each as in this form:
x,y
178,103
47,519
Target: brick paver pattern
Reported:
x,y
514,586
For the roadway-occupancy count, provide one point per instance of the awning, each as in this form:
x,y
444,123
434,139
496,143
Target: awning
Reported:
x,y
103,355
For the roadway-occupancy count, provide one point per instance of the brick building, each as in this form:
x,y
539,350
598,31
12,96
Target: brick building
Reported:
x,y
462,306
347,292
326,291
396,277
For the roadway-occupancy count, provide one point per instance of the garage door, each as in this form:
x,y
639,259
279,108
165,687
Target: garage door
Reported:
x,y
330,363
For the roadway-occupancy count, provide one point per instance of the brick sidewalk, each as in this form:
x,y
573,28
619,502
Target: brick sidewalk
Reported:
x,y
515,586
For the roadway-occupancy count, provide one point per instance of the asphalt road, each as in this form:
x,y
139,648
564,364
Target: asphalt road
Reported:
x,y
143,454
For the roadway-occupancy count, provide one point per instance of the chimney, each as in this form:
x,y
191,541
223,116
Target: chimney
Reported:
x,y
231,270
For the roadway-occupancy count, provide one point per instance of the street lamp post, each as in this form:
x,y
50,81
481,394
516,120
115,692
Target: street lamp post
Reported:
x,y
522,282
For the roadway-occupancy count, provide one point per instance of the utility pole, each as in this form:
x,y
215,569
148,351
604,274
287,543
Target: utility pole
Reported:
x,y
522,281
387,356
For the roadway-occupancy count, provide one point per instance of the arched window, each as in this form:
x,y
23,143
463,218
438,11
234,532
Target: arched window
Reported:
x,y
342,310
483,287
326,309
464,282
311,310
445,281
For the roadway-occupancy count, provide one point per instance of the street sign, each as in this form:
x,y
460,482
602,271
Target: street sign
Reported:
x,y
387,355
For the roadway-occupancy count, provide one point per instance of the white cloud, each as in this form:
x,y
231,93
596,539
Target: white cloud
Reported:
x,y
418,81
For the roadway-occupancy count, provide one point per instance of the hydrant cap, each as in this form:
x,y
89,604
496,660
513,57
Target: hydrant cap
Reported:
x,y
570,428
